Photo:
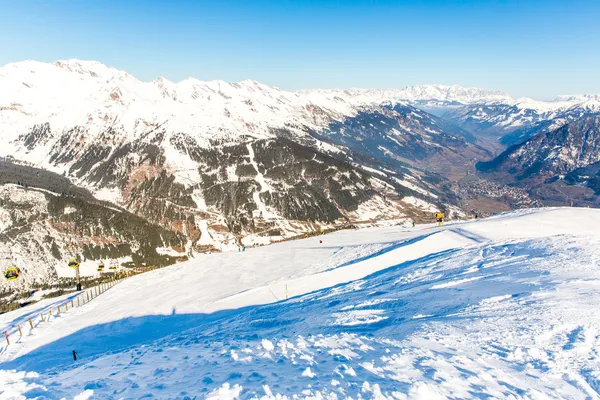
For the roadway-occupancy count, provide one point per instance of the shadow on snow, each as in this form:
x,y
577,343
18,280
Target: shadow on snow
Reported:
x,y
400,293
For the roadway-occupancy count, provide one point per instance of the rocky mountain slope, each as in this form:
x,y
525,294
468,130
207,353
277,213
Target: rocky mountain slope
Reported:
x,y
541,163
402,133
204,166
45,220
513,122
223,150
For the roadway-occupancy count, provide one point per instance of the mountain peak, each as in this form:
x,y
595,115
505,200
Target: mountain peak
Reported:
x,y
86,67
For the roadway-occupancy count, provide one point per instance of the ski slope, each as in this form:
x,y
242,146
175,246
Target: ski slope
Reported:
x,y
504,307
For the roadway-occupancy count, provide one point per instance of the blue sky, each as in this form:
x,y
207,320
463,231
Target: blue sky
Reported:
x,y
527,48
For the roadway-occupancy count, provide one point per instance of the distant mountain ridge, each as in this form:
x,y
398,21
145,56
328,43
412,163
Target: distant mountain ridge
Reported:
x,y
574,145
515,122
550,161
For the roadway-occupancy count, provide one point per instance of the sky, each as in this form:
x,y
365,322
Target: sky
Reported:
x,y
531,48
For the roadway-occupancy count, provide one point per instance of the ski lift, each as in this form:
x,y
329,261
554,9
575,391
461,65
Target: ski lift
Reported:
x,y
12,273
101,267
73,263
113,267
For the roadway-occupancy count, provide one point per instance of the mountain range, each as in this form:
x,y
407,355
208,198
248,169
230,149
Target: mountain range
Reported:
x,y
212,166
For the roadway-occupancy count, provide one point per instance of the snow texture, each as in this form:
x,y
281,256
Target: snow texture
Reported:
x,y
504,307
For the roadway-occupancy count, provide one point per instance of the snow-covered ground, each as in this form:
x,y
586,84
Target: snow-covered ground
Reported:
x,y
504,307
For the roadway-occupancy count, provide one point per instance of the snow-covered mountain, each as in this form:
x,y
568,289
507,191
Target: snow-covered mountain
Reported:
x,y
233,164
227,164
453,95
571,146
514,122
94,95
540,163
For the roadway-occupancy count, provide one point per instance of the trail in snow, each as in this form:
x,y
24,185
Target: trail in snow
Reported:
x,y
505,307
264,186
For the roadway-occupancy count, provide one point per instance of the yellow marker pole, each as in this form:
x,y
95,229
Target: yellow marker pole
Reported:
x,y
66,307
20,332
58,310
30,323
42,315
49,314
7,340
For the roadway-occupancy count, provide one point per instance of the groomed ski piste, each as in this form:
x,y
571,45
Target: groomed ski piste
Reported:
x,y
505,307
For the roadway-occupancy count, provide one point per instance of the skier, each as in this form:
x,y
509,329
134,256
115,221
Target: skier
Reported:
x,y
439,218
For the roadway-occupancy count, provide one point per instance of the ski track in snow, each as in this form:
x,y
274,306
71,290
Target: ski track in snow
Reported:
x,y
264,186
498,308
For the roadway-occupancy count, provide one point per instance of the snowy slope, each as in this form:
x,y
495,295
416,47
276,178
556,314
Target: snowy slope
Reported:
x,y
503,307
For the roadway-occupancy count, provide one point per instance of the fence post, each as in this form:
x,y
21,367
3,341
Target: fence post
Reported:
x,y
6,336
30,323
72,303
42,315
20,332
58,310
78,301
